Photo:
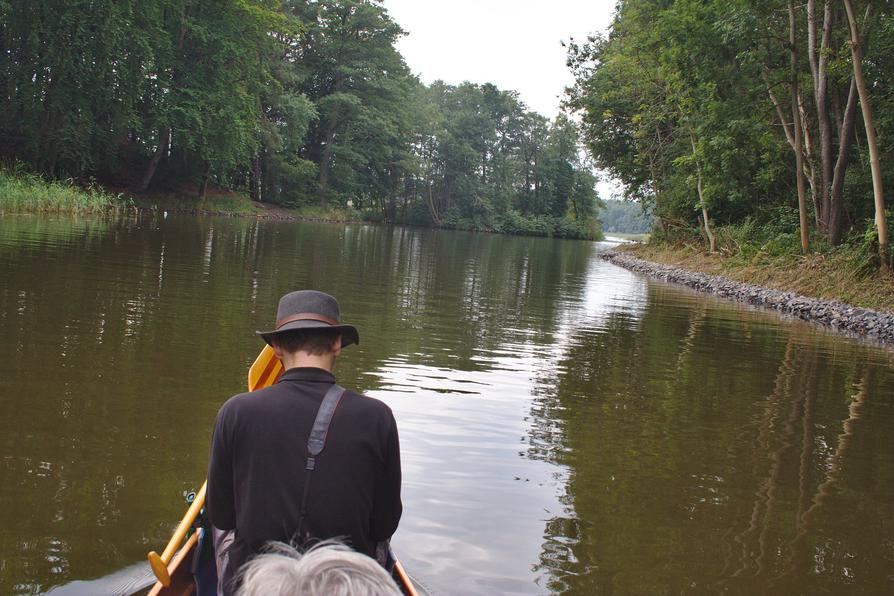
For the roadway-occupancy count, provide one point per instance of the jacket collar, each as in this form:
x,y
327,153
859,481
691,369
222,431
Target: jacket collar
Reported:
x,y
308,373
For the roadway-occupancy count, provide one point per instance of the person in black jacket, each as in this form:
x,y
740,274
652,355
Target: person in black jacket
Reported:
x,y
263,485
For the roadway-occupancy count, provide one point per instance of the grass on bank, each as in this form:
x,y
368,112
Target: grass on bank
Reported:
x,y
23,192
848,273
30,193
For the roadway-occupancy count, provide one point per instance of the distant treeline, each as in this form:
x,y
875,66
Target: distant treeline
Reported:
x,y
627,217
295,102
773,116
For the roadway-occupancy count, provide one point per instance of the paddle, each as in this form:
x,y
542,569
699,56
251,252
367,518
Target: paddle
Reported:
x,y
263,372
404,578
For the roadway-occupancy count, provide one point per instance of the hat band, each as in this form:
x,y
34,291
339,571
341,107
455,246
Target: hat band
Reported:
x,y
305,316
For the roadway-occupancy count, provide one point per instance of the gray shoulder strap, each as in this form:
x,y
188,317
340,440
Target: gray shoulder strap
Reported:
x,y
317,439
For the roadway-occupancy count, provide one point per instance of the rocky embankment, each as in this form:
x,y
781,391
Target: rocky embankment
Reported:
x,y
863,322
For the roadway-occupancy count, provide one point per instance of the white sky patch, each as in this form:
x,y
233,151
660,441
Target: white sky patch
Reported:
x,y
513,44
516,45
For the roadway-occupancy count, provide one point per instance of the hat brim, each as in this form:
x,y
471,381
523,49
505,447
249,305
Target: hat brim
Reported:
x,y
349,334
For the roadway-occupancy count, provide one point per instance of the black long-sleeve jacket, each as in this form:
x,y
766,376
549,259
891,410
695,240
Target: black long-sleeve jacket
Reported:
x,y
257,470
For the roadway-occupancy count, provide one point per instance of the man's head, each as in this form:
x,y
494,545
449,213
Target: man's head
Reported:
x,y
316,348
315,342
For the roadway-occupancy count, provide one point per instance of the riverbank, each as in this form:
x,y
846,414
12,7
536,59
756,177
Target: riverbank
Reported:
x,y
29,193
230,204
819,288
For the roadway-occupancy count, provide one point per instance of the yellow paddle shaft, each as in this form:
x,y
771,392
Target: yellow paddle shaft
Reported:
x,y
160,564
264,371
406,582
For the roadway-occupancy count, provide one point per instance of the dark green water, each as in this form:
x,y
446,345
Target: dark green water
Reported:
x,y
566,426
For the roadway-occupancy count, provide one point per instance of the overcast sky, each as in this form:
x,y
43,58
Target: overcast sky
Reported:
x,y
515,44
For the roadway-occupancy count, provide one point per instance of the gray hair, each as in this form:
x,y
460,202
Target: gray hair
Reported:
x,y
329,568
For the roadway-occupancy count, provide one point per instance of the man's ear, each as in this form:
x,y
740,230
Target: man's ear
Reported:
x,y
336,346
278,351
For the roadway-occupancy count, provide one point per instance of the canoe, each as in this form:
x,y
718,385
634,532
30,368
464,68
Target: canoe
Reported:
x,y
176,560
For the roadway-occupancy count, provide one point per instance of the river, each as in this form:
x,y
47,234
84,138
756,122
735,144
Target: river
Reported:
x,y
566,426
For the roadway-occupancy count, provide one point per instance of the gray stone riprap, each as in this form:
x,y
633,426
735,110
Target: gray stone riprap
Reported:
x,y
872,324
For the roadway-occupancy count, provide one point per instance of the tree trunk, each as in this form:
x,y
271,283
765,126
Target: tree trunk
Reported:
x,y
324,160
328,139
818,68
391,208
255,191
786,126
874,161
431,206
164,133
712,244
712,241
164,140
845,124
796,129
845,135
429,183
203,186
809,170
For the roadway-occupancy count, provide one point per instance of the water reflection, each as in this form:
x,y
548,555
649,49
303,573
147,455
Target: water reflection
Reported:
x,y
713,448
566,425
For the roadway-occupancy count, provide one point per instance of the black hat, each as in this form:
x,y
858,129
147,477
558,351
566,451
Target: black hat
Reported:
x,y
309,309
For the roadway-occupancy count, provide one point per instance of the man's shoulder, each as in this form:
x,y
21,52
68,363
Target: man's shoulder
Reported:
x,y
366,404
241,401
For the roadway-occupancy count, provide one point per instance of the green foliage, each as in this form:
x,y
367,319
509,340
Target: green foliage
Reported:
x,y
116,73
517,224
292,102
329,213
21,192
867,254
677,102
625,216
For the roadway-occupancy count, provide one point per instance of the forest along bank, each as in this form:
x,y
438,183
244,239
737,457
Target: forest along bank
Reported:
x,y
282,103
749,130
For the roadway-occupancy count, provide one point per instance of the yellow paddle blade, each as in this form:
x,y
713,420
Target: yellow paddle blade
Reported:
x,y
265,370
159,564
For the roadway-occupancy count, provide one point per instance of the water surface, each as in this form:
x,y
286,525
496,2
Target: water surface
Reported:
x,y
566,426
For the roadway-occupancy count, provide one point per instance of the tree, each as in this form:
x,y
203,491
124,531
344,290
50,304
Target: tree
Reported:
x,y
869,123
796,125
357,81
